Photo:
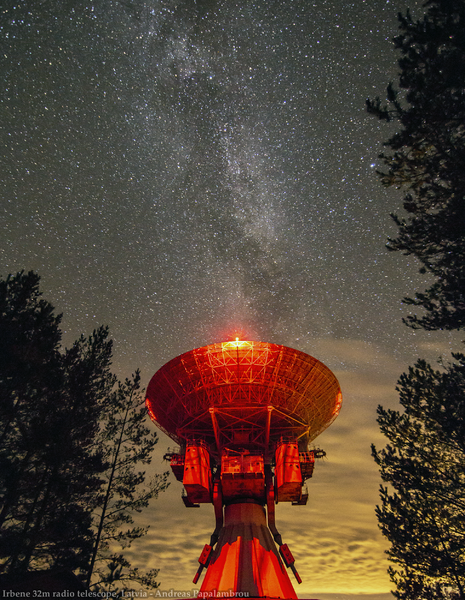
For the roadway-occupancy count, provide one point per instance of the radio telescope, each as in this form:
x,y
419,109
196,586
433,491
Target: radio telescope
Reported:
x,y
243,414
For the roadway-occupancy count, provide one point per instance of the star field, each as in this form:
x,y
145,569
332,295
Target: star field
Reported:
x,y
183,171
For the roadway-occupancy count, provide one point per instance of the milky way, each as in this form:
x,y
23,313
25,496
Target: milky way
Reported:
x,y
186,171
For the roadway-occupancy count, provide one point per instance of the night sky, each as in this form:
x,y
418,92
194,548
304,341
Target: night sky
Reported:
x,y
189,171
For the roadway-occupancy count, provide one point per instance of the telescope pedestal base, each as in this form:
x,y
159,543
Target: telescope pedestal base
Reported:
x,y
245,561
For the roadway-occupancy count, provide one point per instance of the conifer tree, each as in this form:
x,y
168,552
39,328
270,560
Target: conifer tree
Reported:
x,y
72,441
422,511
51,402
424,463
29,366
127,444
427,157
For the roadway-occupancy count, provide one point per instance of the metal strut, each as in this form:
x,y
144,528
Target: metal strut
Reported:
x,y
204,558
284,551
